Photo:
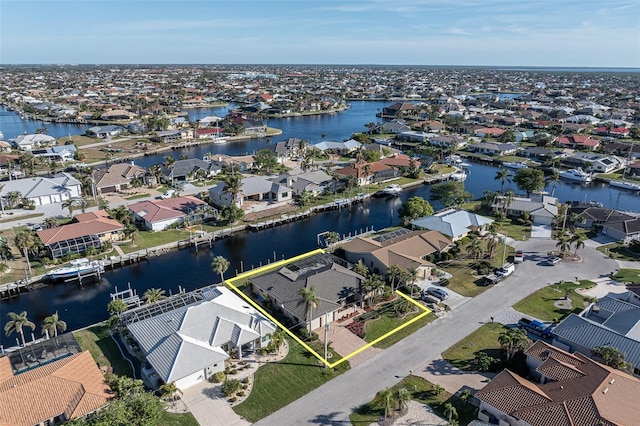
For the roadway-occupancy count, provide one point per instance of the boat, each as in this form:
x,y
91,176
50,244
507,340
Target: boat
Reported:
x,y
460,175
453,159
577,175
625,184
514,165
76,268
393,189
219,140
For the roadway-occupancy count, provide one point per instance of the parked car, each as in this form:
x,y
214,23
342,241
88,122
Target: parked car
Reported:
x,y
535,327
168,194
518,257
429,300
492,279
506,270
437,292
553,260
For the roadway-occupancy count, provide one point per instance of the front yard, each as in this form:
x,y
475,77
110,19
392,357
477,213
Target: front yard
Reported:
x,y
628,276
619,251
541,304
484,339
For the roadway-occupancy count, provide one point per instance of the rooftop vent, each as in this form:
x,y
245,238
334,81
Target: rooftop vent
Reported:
x,y
605,390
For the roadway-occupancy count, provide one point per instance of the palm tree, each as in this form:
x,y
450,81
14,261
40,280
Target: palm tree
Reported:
x,y
412,277
578,241
437,390
403,399
394,272
116,307
465,396
360,268
513,340
277,338
555,178
16,323
563,241
52,324
25,241
13,197
232,185
50,222
311,300
475,248
152,295
69,204
220,265
503,176
388,402
169,391
450,411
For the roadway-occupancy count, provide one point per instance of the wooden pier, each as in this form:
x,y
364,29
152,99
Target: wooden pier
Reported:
x,y
126,259
280,220
11,290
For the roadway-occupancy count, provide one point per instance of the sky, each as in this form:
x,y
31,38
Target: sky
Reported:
x,y
547,33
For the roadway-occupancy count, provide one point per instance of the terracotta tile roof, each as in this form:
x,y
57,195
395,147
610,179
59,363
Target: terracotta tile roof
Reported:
x,y
584,392
400,160
72,385
93,223
159,210
6,372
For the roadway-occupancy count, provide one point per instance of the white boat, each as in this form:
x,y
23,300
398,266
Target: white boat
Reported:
x,y
577,175
77,268
460,175
625,184
514,165
393,189
453,159
219,140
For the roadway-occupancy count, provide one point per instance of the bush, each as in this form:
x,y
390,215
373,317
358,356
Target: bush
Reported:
x,y
234,371
219,377
245,387
444,282
241,393
245,380
233,399
230,386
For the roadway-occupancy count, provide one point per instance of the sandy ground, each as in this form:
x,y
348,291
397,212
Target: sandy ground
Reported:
x,y
418,414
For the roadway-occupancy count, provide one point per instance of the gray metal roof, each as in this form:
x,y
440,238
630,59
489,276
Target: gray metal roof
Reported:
x,y
188,339
41,186
453,223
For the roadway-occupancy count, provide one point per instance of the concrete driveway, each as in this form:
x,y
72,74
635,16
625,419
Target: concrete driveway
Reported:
x,y
209,407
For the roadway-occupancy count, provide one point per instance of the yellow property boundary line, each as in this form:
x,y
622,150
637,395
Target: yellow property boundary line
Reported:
x,y
231,284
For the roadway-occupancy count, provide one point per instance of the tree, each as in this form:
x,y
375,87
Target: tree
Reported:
x,y
388,401
563,241
50,222
52,324
331,237
475,248
529,180
169,391
450,411
612,357
578,241
16,323
513,340
137,409
360,268
403,398
277,339
231,213
414,208
304,198
465,396
220,266
310,300
232,185
437,390
152,295
25,241
554,178
13,197
394,273
503,176
412,277
123,386
69,204
116,307
449,193
266,160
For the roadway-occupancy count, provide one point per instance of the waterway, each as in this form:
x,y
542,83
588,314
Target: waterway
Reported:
x,y
187,269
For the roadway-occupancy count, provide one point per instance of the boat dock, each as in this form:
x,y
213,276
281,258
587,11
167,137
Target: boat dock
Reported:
x,y
280,220
128,296
11,290
127,259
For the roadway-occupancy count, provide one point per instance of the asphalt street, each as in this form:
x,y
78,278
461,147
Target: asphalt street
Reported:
x,y
332,403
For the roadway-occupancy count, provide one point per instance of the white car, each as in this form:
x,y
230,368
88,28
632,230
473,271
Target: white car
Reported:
x,y
169,193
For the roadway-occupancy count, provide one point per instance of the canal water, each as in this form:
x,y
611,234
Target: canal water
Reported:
x,y
187,269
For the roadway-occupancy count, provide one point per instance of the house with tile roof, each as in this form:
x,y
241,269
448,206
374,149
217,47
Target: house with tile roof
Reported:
x,y
186,338
571,390
542,209
336,287
585,142
455,224
91,229
62,390
117,177
365,173
402,247
315,182
44,190
157,215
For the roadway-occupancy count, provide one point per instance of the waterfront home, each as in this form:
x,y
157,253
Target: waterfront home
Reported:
x,y
456,224
594,162
334,284
117,177
288,149
256,191
179,135
315,182
65,389
210,133
584,142
402,247
59,153
104,132
400,162
338,147
569,389
396,127
414,136
493,148
44,190
88,230
157,215
186,338
240,163
365,173
542,209
33,141
190,169
117,114
625,230
448,141
398,110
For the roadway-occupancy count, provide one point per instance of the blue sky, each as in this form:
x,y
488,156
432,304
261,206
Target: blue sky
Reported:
x,y
412,32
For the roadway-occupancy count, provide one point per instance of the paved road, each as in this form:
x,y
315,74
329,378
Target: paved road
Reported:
x,y
332,403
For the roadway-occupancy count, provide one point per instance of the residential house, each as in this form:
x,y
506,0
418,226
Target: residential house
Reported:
x,y
365,173
117,177
252,189
616,132
157,215
210,133
542,209
117,114
88,230
414,136
493,148
44,190
340,147
104,132
489,132
402,247
633,169
570,390
455,224
187,337
190,169
591,216
584,142
33,141
336,288
448,141
315,182
288,149
179,135
240,163
65,389
61,153
594,162
395,127
625,230
397,110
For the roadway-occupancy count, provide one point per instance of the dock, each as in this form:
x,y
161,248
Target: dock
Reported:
x,y
126,259
11,290
128,296
286,218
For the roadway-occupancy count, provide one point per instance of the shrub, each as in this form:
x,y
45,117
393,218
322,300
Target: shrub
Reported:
x,y
219,377
245,380
357,328
233,399
245,387
234,371
230,386
241,393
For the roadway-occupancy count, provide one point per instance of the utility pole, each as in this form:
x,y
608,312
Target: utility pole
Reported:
x,y
504,249
326,330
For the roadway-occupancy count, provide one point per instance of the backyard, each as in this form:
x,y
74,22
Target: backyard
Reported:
x,y
419,390
278,384
97,340
542,303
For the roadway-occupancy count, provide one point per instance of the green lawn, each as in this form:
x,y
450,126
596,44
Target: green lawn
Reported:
x,y
178,419
484,339
135,197
148,239
103,349
20,218
619,251
420,390
628,275
278,384
389,321
541,303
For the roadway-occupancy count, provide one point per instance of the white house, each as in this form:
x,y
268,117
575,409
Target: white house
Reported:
x,y
254,188
33,141
453,223
189,344
45,190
